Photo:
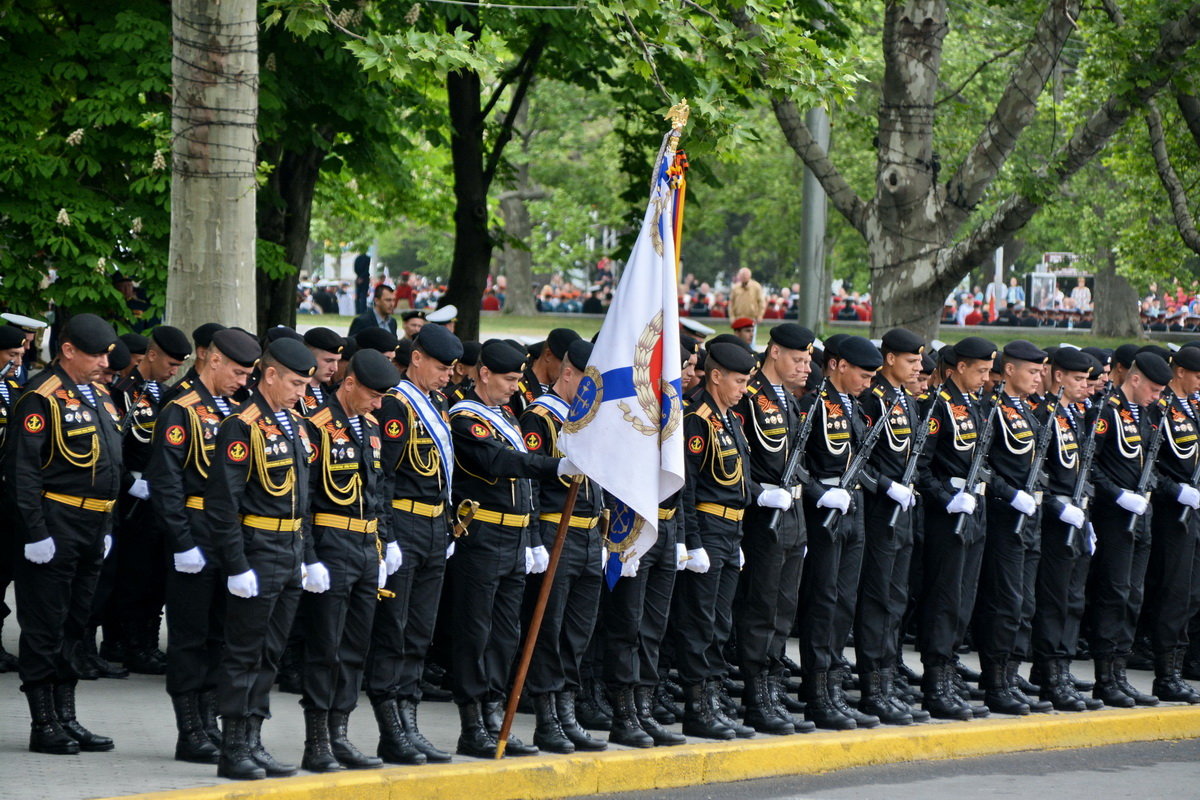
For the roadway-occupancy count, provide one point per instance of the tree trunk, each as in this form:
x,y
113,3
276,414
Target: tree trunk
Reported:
x,y
211,269
518,260
1116,301
285,218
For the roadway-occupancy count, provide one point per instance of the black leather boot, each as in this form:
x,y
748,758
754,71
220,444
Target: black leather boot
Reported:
x,y
493,717
626,727
1168,679
818,705
395,746
103,667
208,717
235,762
698,716
1140,698
141,649
1107,690
939,697
720,701
665,709
876,702
590,708
1021,688
343,749
899,700
761,712
643,700
274,767
565,705
46,734
1055,688
474,740
408,718
965,693
192,745
837,695
548,734
318,751
785,707
64,707
997,695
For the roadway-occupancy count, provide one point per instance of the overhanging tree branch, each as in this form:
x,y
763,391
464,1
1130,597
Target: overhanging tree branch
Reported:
x,y
530,59
1184,220
1189,107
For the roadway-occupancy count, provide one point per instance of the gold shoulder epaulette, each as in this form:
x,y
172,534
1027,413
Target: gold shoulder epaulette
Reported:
x,y
321,417
250,413
102,389
1116,401
371,419
878,392
751,390
189,399
539,409
704,411
48,388
944,395
923,396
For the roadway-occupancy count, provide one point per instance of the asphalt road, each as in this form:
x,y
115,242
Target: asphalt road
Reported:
x,y
1145,771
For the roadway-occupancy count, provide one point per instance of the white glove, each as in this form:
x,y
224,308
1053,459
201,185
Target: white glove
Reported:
x,y
1131,502
383,574
566,468
1091,539
681,556
902,495
450,549
961,503
40,552
190,561
528,560
315,578
107,545
1072,515
741,558
775,498
140,489
541,559
699,561
835,498
392,557
1189,496
604,560
243,585
629,568
1023,501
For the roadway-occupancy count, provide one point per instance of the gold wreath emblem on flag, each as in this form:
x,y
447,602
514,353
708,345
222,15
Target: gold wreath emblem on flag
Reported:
x,y
644,388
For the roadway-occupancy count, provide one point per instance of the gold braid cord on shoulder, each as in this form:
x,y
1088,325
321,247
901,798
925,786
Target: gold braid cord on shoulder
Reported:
x,y
258,448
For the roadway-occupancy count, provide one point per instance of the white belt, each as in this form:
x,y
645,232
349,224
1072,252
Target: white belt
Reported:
x,y
959,483
831,481
797,491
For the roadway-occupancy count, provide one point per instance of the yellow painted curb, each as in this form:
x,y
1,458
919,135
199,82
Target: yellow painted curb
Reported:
x,y
694,764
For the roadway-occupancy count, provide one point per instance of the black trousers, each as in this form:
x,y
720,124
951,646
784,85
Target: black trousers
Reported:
x,y
195,628
1171,576
1061,576
489,580
1004,582
951,570
337,622
1115,581
704,603
256,628
883,583
770,578
571,611
829,584
140,577
54,600
634,614
404,624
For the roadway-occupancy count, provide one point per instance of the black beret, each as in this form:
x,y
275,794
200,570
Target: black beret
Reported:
x,y
324,339
1154,367
203,335
559,339
292,354
1103,355
238,346
928,364
732,357
501,357
248,333
413,314
974,347
899,340
1072,360
373,338
1024,350
1186,357
172,341
515,345
1124,354
948,355
119,357
374,370
860,352
1192,343
687,348
470,353
832,344
578,354
1157,350
793,336
135,343
534,350
11,336
1051,349
349,350
404,349
283,332
90,334
729,338
437,342
1097,370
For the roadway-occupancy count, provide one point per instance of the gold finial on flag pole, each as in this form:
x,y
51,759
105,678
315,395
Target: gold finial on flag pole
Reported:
x,y
678,115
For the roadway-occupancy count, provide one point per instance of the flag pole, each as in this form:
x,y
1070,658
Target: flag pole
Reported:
x,y
539,610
